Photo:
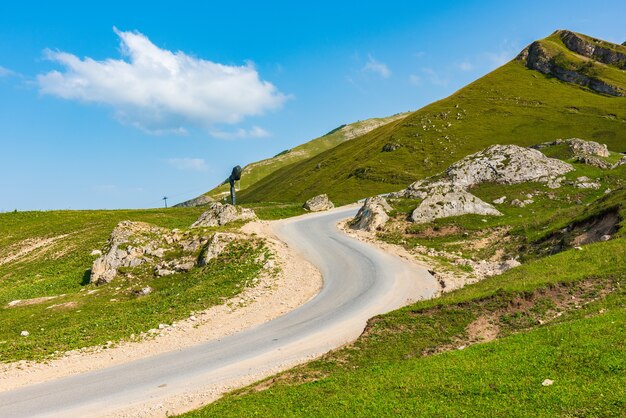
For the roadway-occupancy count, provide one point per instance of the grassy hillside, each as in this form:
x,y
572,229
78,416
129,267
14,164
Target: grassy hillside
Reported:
x,y
254,172
48,254
511,105
489,346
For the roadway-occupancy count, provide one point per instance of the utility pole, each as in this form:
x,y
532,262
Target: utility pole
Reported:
x,y
165,200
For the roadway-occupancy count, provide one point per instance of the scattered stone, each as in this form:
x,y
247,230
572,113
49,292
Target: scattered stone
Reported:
x,y
96,252
24,333
318,203
221,214
144,291
585,182
521,203
390,147
605,237
621,161
547,382
499,200
372,215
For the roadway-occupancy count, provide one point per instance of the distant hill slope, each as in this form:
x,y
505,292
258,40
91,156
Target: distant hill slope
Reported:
x,y
566,85
254,172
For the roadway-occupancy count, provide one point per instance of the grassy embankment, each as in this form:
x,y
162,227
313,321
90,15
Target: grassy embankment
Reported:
x,y
487,347
82,314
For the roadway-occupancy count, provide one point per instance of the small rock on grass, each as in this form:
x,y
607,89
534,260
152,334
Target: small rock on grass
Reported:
x,y
24,333
547,382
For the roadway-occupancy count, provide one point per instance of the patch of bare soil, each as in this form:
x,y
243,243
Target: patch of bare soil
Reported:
x,y
526,311
594,229
27,246
27,302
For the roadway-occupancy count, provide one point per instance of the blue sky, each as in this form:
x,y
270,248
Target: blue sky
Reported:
x,y
117,105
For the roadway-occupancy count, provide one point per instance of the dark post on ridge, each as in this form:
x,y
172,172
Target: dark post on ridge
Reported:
x,y
234,176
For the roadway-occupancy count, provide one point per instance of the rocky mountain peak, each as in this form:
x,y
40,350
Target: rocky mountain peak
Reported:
x,y
550,58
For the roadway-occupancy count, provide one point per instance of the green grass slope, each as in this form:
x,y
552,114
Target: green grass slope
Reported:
x,y
48,254
511,105
254,172
485,349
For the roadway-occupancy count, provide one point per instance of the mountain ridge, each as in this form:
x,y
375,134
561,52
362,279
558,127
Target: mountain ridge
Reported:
x,y
513,104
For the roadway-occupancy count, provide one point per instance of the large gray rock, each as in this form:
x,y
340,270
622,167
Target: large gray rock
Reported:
x,y
220,214
582,147
505,164
372,215
445,201
318,203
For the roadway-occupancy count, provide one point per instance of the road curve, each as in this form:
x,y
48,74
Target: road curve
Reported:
x,y
360,281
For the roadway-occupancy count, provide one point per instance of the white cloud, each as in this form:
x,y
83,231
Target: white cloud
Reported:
x,y
415,80
377,67
254,132
497,59
192,164
434,77
161,91
5,72
466,66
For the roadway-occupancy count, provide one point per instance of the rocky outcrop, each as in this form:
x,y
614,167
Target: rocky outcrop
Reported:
x,y
505,164
582,147
585,182
130,245
539,58
444,201
578,147
446,194
592,48
585,152
198,201
163,251
318,203
221,214
372,215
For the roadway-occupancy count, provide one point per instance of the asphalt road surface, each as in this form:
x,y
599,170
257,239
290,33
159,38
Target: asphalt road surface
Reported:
x,y
360,281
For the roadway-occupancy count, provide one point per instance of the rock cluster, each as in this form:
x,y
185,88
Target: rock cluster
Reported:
x,y
220,214
578,147
165,251
372,215
444,202
318,203
446,194
130,245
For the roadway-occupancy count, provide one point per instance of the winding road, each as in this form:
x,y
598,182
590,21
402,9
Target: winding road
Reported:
x,y
360,281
